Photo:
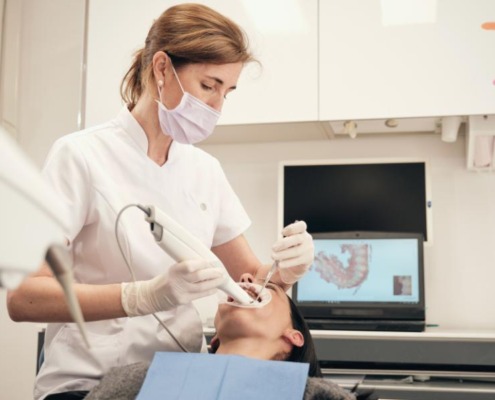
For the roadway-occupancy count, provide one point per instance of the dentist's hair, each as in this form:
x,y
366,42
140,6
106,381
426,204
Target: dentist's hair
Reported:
x,y
188,33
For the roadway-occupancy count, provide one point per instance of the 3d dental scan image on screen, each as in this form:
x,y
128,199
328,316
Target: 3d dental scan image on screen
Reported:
x,y
362,270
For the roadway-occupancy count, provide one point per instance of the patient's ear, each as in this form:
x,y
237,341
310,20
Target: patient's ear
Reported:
x,y
294,337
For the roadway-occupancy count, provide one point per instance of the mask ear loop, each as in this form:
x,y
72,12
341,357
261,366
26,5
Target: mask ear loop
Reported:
x,y
177,77
175,73
160,82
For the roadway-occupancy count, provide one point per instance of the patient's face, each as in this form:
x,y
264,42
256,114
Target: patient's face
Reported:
x,y
267,322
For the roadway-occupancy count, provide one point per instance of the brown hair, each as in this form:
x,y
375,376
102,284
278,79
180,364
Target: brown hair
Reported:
x,y
188,33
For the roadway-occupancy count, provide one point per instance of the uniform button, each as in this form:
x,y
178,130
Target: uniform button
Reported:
x,y
203,206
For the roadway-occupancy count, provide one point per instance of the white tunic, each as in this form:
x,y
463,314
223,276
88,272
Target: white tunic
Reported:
x,y
96,172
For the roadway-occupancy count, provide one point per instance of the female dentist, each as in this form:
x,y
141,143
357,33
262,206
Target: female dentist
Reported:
x,y
174,91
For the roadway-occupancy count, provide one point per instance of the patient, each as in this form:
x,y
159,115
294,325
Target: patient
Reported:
x,y
275,331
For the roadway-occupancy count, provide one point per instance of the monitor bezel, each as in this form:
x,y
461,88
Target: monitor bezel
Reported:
x,y
368,310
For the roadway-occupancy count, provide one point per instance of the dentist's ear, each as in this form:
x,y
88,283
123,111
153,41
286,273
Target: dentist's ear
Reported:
x,y
159,62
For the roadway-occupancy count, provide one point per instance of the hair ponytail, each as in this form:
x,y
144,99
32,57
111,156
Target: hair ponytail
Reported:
x,y
188,33
131,87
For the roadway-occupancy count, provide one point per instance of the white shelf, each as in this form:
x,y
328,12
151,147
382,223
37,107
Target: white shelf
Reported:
x,y
429,334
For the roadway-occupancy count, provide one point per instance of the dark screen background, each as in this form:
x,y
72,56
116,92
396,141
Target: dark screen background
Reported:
x,y
388,197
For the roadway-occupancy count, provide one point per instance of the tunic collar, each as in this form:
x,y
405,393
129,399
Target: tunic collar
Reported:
x,y
137,134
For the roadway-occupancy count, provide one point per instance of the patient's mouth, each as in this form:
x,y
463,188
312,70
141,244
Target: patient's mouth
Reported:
x,y
252,290
253,293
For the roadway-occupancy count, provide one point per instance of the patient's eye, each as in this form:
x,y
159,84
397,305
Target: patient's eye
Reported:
x,y
271,286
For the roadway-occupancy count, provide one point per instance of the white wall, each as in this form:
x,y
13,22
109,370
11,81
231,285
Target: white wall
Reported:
x,y
459,265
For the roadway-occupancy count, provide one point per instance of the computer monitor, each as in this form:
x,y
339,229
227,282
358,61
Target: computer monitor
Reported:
x,y
357,195
364,281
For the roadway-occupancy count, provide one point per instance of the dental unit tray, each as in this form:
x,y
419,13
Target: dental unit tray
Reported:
x,y
177,242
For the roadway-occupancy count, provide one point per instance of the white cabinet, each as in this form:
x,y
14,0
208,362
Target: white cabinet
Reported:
x,y
283,36
10,65
379,61
41,71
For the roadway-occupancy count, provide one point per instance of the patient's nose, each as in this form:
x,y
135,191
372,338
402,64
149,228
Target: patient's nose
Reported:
x,y
247,278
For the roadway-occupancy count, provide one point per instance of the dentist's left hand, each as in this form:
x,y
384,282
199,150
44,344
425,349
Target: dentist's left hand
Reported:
x,y
182,283
294,253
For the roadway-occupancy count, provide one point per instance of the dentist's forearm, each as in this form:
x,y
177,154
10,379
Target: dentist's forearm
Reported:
x,y
41,299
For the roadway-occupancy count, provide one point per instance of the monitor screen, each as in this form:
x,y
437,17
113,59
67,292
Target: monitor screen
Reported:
x,y
364,275
364,196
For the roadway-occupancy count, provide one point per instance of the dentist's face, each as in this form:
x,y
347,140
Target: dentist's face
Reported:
x,y
210,83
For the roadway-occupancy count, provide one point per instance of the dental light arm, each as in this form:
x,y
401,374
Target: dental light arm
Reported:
x,y
31,226
176,241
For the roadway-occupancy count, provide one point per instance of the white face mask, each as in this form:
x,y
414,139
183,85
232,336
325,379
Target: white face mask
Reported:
x,y
190,122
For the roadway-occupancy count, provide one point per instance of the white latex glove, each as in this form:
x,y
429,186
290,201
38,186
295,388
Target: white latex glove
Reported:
x,y
294,252
181,284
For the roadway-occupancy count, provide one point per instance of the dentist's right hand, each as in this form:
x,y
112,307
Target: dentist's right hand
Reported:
x,y
181,284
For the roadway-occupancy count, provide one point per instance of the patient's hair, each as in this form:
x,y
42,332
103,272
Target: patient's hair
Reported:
x,y
306,353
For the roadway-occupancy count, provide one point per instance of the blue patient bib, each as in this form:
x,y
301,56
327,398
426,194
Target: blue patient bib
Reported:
x,y
185,376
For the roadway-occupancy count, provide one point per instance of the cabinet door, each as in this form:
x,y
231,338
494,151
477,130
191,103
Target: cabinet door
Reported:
x,y
40,71
379,62
283,37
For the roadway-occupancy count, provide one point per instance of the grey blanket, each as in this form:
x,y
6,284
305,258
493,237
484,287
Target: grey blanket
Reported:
x,y
124,383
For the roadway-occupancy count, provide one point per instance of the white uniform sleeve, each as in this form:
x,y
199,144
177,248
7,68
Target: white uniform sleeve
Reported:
x,y
233,219
66,172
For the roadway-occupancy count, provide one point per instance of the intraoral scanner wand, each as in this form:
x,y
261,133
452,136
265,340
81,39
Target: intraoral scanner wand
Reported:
x,y
177,242
267,279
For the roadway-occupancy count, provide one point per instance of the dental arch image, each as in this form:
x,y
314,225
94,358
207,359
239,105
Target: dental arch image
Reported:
x,y
347,271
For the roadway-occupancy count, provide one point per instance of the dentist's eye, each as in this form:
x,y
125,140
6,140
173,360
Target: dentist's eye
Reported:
x,y
206,87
